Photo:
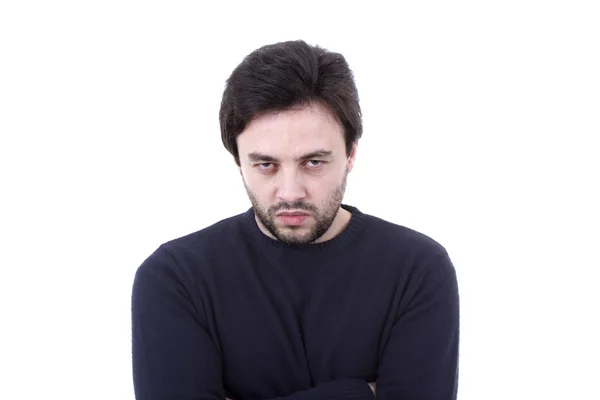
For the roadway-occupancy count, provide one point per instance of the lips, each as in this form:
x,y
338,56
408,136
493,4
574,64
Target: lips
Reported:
x,y
293,218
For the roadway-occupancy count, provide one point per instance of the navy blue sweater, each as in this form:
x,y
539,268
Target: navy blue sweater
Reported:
x,y
229,312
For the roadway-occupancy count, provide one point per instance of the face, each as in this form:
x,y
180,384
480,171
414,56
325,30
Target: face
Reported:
x,y
294,168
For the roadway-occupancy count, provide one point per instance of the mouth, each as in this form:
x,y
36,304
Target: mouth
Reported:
x,y
293,218
292,214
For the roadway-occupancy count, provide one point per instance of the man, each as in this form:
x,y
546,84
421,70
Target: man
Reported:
x,y
300,297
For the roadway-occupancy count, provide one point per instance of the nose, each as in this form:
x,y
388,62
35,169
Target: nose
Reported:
x,y
290,187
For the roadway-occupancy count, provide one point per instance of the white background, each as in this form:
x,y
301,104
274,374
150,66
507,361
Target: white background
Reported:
x,y
481,129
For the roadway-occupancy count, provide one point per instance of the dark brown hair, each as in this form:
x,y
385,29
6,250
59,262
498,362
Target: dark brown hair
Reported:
x,y
283,75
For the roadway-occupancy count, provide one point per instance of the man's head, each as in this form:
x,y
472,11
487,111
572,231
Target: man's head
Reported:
x,y
290,116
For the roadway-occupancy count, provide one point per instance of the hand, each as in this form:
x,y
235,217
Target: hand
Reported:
x,y
373,386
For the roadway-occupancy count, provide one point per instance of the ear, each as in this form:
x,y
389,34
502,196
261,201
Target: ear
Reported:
x,y
352,157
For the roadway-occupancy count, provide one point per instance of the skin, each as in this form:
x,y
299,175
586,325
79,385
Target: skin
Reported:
x,y
282,171
373,387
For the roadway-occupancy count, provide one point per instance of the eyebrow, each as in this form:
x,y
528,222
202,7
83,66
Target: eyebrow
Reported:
x,y
256,156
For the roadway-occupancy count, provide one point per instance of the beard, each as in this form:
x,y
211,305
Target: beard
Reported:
x,y
323,216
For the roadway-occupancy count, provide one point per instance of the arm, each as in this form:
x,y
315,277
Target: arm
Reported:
x,y
341,389
174,357
420,360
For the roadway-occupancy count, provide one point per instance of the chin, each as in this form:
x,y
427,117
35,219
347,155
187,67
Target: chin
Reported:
x,y
304,237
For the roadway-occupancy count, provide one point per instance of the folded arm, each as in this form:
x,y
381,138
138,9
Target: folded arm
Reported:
x,y
173,355
420,359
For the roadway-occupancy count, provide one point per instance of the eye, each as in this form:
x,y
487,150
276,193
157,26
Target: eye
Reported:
x,y
265,166
315,163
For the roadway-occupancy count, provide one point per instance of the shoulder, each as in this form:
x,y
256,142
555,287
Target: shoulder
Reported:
x,y
412,259
402,253
401,239
188,254
221,234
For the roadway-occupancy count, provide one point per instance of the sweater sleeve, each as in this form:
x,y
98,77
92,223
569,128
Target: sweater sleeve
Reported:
x,y
420,360
341,389
173,355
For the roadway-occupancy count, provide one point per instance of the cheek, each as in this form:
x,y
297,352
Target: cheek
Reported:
x,y
261,189
250,179
321,188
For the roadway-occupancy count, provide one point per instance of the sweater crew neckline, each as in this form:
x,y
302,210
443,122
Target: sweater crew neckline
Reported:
x,y
344,239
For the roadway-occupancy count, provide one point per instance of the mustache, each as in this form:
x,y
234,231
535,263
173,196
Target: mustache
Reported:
x,y
293,206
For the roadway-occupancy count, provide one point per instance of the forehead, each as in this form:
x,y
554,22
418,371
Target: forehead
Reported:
x,y
290,133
